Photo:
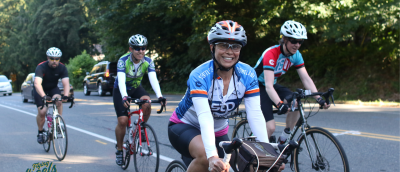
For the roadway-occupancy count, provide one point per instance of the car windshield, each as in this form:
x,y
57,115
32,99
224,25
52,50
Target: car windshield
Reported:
x,y
3,79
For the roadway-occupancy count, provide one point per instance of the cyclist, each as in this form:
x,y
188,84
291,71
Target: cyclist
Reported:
x,y
214,90
47,74
131,68
273,63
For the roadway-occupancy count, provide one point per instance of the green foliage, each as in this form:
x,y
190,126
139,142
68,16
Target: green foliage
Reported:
x,y
77,68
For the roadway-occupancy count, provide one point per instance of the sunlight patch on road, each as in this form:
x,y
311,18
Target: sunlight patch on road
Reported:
x,y
70,159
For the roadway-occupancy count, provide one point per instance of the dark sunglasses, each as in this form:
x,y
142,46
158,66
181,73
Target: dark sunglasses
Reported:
x,y
139,48
54,59
293,41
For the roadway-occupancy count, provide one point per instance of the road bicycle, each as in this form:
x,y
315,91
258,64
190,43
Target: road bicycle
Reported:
x,y
56,131
142,132
229,147
318,149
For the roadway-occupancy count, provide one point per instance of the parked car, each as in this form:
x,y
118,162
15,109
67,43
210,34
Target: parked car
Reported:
x,y
27,88
5,86
101,78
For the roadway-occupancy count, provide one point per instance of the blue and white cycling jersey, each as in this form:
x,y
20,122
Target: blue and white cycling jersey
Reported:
x,y
200,85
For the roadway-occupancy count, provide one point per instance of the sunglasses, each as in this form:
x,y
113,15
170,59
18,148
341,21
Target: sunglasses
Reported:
x,y
293,41
225,46
54,59
139,48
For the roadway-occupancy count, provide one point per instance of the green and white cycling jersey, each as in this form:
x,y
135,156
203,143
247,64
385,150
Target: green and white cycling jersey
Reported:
x,y
134,72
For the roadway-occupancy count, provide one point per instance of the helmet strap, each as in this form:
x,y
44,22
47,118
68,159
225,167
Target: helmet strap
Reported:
x,y
283,52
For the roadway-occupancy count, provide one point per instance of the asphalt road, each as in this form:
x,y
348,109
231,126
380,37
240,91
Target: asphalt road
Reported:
x,y
369,135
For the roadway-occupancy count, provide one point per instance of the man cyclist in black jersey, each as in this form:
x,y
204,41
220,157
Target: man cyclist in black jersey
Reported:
x,y
47,74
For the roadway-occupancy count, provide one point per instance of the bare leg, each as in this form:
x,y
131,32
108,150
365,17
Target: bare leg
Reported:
x,y
197,151
291,119
120,130
59,104
271,127
146,109
40,117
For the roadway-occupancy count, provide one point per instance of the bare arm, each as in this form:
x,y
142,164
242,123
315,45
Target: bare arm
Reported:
x,y
38,86
65,82
269,86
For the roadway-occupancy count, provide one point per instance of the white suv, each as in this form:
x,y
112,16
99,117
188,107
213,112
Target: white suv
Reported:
x,y
5,86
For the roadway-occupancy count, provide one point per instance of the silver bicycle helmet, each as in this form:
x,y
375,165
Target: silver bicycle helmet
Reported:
x,y
227,30
137,40
54,52
294,30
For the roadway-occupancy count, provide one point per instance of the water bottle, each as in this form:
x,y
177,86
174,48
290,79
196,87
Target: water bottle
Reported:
x,y
49,119
130,135
284,136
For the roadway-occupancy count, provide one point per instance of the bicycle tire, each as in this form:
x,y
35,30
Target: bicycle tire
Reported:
x,y
144,162
324,161
60,140
46,145
176,166
242,129
127,155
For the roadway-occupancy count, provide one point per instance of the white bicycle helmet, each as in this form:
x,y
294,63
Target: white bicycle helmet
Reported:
x,y
294,30
227,30
54,52
137,40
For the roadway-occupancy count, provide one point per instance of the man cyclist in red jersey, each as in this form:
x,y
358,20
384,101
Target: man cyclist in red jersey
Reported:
x,y
276,61
47,75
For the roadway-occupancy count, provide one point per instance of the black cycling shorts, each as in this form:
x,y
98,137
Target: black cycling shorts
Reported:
x,y
266,102
50,93
180,136
137,93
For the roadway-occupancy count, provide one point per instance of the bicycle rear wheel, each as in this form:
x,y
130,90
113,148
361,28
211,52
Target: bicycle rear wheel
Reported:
x,y
46,145
127,155
176,166
147,157
319,151
60,138
242,129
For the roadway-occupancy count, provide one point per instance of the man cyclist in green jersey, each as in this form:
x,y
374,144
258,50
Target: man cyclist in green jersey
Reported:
x,y
131,68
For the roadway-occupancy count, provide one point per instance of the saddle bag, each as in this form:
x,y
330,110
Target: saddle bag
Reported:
x,y
245,159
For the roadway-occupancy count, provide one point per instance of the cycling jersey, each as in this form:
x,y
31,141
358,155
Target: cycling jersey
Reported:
x,y
134,75
273,59
50,75
200,85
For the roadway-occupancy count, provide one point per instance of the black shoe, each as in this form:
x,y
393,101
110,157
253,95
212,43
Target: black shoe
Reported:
x,y
42,137
119,157
143,136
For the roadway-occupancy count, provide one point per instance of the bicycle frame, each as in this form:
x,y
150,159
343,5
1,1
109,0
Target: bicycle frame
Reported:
x,y
137,130
54,114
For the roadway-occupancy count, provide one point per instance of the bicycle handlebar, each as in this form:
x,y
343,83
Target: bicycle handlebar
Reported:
x,y
229,147
301,94
46,103
141,102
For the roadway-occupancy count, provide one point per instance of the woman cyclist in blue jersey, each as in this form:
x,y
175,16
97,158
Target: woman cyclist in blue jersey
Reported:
x,y
214,89
274,62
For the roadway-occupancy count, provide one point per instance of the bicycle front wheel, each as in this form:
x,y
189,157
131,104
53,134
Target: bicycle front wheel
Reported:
x,y
242,130
147,156
60,138
176,166
127,154
319,150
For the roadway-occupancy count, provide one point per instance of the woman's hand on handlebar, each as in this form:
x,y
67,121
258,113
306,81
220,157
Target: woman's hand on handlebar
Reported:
x,y
216,165
322,103
162,100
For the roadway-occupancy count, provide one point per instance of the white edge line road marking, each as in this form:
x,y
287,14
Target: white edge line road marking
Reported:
x,y
88,132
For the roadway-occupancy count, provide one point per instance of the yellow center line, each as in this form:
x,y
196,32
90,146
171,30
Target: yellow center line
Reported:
x,y
101,142
362,134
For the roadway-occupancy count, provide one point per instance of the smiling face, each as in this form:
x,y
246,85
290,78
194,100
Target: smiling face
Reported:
x,y
137,52
293,44
227,57
53,61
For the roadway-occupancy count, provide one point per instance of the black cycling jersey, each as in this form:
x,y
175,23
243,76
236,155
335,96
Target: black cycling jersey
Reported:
x,y
50,75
